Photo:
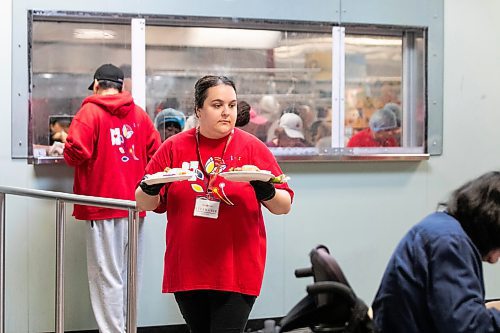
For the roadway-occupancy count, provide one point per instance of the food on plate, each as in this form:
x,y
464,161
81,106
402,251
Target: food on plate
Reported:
x,y
279,179
168,175
247,167
175,171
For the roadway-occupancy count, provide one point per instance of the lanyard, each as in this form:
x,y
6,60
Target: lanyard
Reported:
x,y
213,176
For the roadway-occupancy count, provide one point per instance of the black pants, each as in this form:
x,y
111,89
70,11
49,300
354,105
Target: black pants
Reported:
x,y
211,311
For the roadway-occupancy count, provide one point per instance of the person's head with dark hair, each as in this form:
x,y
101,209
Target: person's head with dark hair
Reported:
x,y
202,85
107,77
476,205
243,114
215,106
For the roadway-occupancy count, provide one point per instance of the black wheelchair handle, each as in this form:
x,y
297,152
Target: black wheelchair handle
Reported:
x,y
303,272
332,288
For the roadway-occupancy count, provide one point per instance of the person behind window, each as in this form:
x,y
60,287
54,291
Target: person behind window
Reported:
x,y
109,142
323,137
59,129
380,132
269,108
308,116
433,282
169,122
58,133
271,132
290,132
396,109
215,238
256,125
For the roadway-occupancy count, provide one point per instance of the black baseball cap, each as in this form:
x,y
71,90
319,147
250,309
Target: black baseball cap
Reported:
x,y
107,72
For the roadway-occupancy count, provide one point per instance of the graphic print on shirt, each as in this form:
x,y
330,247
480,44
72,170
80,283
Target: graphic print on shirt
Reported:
x,y
120,138
213,166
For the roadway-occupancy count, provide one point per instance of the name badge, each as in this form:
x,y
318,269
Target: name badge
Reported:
x,y
206,207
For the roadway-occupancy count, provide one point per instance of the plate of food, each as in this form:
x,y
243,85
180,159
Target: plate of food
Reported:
x,y
168,176
247,173
246,176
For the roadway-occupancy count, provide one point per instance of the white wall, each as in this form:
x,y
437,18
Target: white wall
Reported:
x,y
360,210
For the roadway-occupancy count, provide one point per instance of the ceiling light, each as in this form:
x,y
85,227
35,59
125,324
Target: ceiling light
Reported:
x,y
94,34
212,37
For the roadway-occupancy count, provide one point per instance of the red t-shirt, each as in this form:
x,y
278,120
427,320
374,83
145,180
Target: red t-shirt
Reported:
x,y
365,139
227,253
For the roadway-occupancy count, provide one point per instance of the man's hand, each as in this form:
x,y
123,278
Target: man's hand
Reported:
x,y
263,190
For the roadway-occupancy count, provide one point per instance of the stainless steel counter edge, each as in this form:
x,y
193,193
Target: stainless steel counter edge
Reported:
x,y
296,158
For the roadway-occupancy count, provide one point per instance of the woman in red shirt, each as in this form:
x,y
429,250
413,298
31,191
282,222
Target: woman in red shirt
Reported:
x,y
215,239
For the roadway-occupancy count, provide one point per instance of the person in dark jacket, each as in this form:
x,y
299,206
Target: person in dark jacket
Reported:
x,y
434,280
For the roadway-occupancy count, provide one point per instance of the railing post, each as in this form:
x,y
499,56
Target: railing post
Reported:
x,y
2,262
133,230
60,224
61,199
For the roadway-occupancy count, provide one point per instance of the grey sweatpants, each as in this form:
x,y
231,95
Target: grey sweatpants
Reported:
x,y
107,255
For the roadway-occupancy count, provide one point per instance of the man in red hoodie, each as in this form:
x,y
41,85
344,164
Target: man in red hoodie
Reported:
x,y
109,143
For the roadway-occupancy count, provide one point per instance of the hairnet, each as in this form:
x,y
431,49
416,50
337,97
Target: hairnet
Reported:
x,y
382,120
396,110
170,115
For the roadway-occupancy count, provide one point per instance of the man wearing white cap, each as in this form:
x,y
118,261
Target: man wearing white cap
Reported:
x,y
290,132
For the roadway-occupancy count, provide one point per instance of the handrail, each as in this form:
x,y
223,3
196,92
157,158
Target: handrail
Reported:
x,y
61,198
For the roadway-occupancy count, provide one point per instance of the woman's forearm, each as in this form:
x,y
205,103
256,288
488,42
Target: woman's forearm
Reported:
x,y
280,204
145,201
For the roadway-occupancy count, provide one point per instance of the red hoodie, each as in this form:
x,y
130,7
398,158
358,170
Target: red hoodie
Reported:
x,y
109,143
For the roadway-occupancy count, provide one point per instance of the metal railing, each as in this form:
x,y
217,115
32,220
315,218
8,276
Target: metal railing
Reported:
x,y
61,199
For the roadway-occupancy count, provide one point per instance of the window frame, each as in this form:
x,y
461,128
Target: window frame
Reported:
x,y
336,153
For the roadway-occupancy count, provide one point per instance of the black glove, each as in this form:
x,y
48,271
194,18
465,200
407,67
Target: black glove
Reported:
x,y
263,190
153,189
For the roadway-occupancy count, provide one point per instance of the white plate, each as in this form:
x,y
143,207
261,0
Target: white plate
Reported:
x,y
164,177
246,176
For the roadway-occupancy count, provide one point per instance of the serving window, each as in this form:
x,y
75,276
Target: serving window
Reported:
x,y
312,87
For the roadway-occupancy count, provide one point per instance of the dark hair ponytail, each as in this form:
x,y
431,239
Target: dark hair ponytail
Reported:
x,y
476,206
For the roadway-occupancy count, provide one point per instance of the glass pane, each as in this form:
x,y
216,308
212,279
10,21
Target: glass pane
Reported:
x,y
64,57
276,72
373,91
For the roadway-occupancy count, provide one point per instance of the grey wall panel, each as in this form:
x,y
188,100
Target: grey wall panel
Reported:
x,y
407,12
